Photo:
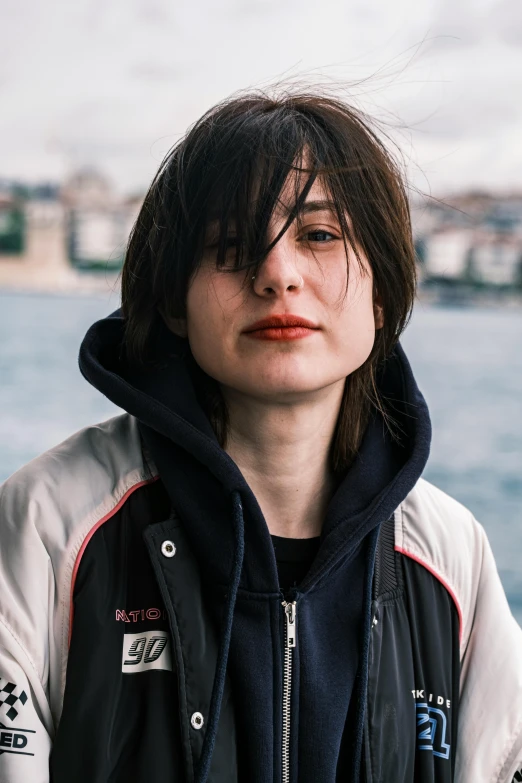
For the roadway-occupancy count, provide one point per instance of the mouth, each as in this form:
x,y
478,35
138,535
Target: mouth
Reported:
x,y
281,327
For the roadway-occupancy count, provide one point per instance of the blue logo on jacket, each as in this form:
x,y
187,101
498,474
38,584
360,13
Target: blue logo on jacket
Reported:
x,y
432,735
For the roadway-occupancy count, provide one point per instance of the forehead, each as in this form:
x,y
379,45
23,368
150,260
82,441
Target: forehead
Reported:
x,y
318,194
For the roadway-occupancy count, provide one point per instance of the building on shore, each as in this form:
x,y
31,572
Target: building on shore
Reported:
x,y
12,222
473,239
98,222
63,238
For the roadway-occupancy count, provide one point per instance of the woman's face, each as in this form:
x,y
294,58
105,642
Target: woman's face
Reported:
x,y
304,276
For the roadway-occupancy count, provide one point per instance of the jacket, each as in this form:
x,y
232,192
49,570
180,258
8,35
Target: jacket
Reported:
x,y
124,659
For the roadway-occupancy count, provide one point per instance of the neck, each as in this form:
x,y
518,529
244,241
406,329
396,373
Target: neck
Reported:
x,y
283,452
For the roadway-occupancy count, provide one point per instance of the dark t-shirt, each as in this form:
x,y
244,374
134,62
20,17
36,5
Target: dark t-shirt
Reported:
x,y
294,556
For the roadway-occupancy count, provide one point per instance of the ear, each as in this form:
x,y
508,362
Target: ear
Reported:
x,y
378,311
176,325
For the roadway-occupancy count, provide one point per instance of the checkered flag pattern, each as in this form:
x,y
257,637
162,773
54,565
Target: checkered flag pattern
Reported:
x,y
8,698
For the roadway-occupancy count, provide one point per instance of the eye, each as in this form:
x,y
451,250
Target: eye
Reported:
x,y
320,235
229,261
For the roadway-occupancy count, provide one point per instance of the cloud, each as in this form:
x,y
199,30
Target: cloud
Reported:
x,y
155,72
505,19
118,83
469,113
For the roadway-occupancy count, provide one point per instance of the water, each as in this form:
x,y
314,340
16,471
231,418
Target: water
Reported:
x,y
468,363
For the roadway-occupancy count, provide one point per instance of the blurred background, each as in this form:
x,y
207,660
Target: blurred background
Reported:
x,y
94,94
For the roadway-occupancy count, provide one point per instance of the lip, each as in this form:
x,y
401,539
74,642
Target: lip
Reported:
x,y
281,327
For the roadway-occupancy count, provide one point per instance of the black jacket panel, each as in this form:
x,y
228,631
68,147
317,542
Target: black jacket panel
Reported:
x,y
413,689
196,645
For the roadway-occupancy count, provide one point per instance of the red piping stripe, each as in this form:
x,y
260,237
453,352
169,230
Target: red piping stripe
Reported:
x,y
92,531
440,579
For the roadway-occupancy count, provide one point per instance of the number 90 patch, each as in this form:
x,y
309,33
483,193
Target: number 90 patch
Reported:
x,y
144,651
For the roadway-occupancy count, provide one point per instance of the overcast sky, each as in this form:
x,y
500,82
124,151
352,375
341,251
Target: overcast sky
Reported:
x,y
113,83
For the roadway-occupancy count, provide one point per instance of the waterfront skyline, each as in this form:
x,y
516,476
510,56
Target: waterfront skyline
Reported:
x,y
49,233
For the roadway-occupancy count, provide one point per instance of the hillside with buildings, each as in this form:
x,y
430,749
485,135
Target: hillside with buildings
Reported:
x,y
73,237
471,241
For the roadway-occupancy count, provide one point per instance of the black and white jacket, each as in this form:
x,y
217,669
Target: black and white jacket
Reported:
x,y
96,578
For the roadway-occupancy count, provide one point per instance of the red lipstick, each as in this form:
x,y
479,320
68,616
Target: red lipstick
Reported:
x,y
281,327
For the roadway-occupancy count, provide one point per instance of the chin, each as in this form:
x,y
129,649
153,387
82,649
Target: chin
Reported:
x,y
283,389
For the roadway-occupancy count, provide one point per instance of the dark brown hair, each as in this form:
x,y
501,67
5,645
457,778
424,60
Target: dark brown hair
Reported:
x,y
232,165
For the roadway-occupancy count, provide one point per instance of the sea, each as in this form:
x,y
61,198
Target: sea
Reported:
x,y
467,361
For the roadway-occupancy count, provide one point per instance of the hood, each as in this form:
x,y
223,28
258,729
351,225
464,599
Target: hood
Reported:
x,y
201,478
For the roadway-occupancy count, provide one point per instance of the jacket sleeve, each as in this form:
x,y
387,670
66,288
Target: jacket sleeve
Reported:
x,y
24,715
490,719
27,596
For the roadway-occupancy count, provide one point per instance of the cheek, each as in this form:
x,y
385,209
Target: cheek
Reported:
x,y
199,307
355,321
202,318
210,312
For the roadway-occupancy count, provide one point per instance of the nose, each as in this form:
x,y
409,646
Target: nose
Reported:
x,y
279,271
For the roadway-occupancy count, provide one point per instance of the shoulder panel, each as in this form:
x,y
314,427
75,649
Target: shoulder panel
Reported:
x,y
437,531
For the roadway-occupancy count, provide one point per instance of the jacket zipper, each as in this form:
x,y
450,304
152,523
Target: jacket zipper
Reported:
x,y
290,642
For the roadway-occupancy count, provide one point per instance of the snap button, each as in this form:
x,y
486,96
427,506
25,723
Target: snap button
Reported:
x,y
168,549
197,720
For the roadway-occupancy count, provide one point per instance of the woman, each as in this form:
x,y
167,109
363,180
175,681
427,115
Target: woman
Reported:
x,y
244,577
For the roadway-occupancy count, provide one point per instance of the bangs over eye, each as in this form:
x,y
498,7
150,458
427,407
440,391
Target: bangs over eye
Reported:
x,y
270,190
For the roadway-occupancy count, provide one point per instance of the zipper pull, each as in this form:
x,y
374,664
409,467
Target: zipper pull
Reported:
x,y
291,624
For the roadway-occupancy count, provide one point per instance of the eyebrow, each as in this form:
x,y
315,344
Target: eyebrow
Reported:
x,y
324,205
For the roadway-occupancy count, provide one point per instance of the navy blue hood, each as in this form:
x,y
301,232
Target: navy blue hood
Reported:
x,y
208,490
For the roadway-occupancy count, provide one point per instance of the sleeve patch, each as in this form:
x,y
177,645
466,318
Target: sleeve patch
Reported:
x,y
10,703
15,740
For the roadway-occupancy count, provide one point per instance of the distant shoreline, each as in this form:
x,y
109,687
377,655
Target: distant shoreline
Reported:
x,y
35,279
65,280
468,296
